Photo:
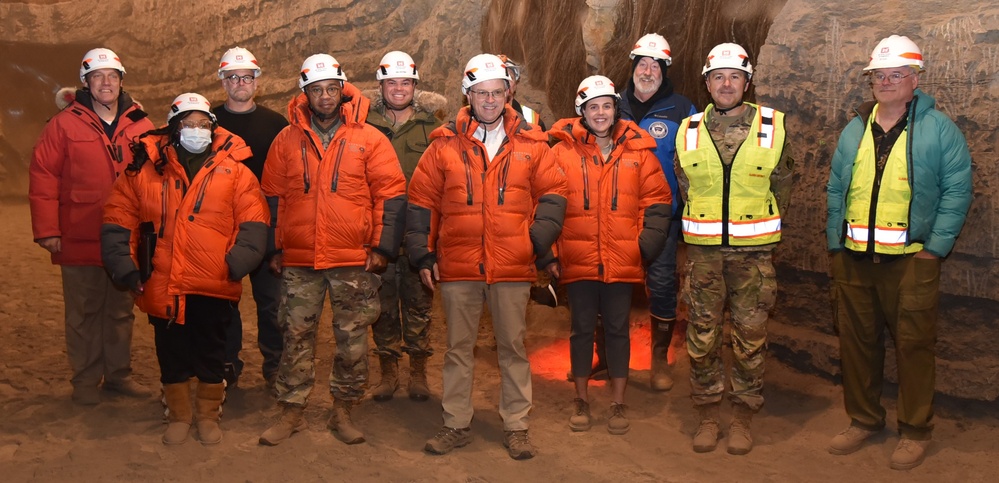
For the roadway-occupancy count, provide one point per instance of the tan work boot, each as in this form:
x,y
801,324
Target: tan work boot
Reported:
x,y
660,378
179,412
518,445
390,379
740,440
849,440
708,431
448,439
208,404
618,423
909,454
418,388
580,419
292,421
341,425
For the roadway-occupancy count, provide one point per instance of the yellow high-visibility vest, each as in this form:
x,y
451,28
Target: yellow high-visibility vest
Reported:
x,y
736,208
891,216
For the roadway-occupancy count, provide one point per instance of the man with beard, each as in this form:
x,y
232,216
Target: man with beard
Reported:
x,y
341,197
649,100
257,125
81,152
488,201
407,117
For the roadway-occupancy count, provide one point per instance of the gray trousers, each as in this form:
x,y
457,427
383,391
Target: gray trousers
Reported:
x,y
99,322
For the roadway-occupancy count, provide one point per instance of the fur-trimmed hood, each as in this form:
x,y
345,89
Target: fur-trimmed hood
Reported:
x,y
423,101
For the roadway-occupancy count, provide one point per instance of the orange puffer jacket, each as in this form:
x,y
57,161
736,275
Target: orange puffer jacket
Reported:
x,y
481,220
211,231
619,208
72,169
335,205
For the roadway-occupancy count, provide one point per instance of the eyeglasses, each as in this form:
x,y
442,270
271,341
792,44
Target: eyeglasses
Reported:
x,y
893,78
196,125
240,79
498,93
317,91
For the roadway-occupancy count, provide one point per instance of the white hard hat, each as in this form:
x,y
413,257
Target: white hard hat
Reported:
x,y
99,58
511,66
481,68
652,45
895,51
238,58
728,56
397,65
593,87
190,101
320,67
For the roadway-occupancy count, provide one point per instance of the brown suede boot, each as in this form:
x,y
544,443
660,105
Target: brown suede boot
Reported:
x,y
390,379
418,389
292,421
740,440
179,412
208,403
708,430
341,425
662,332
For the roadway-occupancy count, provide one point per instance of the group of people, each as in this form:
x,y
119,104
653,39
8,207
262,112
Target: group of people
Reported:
x,y
368,199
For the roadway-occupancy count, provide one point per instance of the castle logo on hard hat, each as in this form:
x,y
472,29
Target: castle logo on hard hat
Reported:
x,y
489,65
658,130
320,65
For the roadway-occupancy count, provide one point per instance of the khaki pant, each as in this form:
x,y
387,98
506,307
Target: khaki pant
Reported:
x,y
903,296
99,322
463,309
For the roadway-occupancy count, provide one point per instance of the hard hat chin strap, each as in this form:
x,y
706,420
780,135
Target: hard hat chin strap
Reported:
x,y
725,112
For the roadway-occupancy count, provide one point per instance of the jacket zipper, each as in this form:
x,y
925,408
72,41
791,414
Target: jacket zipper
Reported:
x,y
305,166
468,177
336,166
201,192
617,166
503,177
586,182
163,208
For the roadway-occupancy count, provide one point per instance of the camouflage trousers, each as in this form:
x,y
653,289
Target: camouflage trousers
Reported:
x,y
746,279
353,295
405,330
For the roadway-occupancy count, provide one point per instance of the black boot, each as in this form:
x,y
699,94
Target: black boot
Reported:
x,y
662,332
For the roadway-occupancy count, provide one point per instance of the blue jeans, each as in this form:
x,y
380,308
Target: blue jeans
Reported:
x,y
660,277
267,295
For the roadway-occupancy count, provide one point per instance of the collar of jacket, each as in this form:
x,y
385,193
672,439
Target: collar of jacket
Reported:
x,y
626,133
920,103
224,145
426,105
352,112
127,107
513,124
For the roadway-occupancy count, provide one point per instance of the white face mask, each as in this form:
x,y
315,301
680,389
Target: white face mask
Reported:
x,y
195,139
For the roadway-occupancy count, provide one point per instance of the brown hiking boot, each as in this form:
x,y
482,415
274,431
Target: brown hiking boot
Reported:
x,y
909,454
618,423
292,421
179,412
128,387
518,445
341,425
708,431
418,389
740,440
448,439
208,403
390,379
849,440
580,419
660,378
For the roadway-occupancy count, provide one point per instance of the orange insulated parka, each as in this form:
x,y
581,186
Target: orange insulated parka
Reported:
x,y
481,220
211,231
335,205
618,208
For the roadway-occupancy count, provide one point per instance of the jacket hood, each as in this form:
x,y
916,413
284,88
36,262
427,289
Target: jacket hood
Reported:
x,y
514,125
224,144
354,111
424,102
571,130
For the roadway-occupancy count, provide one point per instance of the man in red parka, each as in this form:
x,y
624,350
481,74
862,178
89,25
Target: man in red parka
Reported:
x,y
80,153
486,204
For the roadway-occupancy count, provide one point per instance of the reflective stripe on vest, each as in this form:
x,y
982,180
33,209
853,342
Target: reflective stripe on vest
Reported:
x,y
891,217
753,217
530,115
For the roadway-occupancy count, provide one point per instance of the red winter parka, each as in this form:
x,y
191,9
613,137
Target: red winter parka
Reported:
x,y
72,169
481,220
619,208
335,205
211,231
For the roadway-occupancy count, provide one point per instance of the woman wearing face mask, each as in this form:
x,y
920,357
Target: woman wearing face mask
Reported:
x,y
188,195
615,224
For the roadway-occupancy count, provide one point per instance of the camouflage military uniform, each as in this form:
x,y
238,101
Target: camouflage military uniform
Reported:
x,y
401,284
353,297
744,276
